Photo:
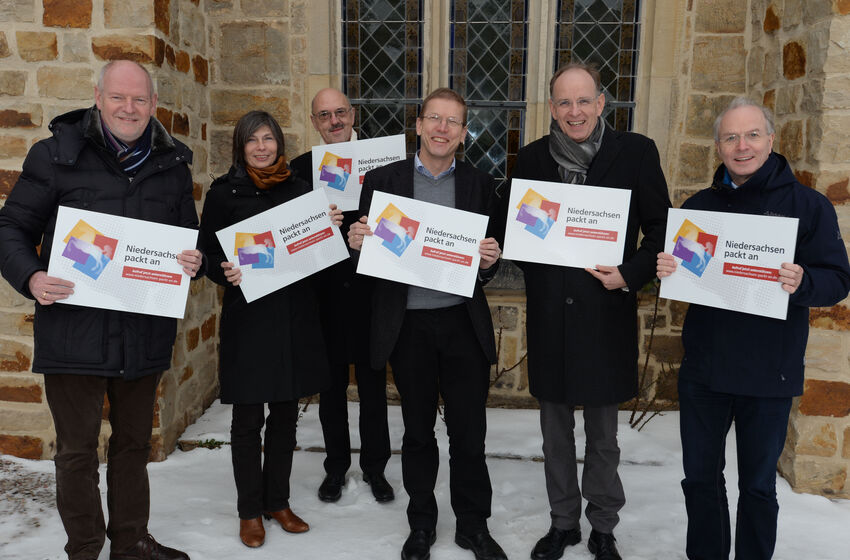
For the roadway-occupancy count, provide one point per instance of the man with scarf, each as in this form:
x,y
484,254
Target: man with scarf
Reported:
x,y
582,323
746,368
113,158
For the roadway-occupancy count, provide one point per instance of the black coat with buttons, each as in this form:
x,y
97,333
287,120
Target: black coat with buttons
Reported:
x,y
272,349
75,168
582,338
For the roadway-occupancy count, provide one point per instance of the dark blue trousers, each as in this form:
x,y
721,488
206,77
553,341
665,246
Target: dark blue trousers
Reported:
x,y
760,427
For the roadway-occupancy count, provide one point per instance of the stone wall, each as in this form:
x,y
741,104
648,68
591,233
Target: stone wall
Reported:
x,y
50,53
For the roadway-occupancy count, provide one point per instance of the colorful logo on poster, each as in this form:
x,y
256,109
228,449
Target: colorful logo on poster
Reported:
x,y
90,250
334,171
396,229
256,249
694,246
537,213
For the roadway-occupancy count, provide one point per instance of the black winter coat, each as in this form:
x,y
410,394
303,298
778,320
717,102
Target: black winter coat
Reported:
x,y
582,338
75,168
746,354
272,349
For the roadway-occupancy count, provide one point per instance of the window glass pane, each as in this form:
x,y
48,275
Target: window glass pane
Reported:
x,y
382,65
605,32
487,60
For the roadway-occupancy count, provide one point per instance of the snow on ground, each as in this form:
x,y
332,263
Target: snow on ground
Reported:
x,y
193,500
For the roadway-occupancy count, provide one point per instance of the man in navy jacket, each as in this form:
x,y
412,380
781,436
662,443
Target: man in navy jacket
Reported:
x,y
746,368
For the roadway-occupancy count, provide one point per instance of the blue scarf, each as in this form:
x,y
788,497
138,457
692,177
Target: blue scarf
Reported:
x,y
130,158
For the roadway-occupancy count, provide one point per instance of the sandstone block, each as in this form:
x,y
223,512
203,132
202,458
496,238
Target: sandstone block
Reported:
x,y
788,99
9,296
504,316
25,447
793,60
693,164
791,140
755,66
218,7
14,356
842,7
12,82
201,69
24,391
180,124
298,15
170,56
65,82
805,177
34,46
825,398
220,150
769,99
181,61
771,67
128,13
229,105
721,16
771,20
164,116
816,11
15,323
67,13
839,43
140,48
702,110
247,61
17,10
818,439
836,318
162,15
192,337
265,8
4,45
836,92
816,476
208,327
826,355
25,418
792,13
831,146
12,147
192,27
667,349
845,451
717,64
837,192
76,47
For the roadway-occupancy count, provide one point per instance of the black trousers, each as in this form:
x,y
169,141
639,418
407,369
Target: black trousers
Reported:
x,y
76,403
437,354
374,431
262,483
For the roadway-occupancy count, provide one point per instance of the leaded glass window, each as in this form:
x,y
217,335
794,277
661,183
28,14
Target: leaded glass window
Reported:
x,y
605,32
487,66
382,65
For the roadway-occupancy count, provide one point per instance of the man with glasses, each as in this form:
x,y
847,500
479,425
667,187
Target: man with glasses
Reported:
x,y
582,323
344,295
438,344
746,368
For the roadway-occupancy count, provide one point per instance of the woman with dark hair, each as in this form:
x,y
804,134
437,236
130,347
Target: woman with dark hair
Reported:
x,y
272,350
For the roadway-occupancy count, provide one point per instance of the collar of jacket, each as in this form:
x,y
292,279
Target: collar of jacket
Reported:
x,y
73,130
238,180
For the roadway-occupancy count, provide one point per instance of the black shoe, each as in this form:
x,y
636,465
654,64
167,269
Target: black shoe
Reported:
x,y
418,545
482,545
602,546
331,488
148,549
551,547
381,489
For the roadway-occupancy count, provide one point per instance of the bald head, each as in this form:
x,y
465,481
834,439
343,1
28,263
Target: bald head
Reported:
x,y
332,115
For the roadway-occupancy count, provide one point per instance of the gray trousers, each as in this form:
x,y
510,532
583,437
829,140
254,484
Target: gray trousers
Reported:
x,y
600,483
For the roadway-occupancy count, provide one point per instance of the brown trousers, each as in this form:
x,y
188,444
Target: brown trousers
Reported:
x,y
76,403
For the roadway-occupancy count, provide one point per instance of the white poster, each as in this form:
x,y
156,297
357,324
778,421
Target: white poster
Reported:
x,y
422,244
283,244
339,168
564,224
121,263
730,261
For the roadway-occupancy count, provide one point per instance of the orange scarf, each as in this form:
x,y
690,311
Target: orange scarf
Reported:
x,y
267,177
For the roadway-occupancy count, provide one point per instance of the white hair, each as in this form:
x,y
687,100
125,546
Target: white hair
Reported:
x,y
743,102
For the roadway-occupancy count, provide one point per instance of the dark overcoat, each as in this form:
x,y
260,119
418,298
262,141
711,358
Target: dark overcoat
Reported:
x,y
475,191
272,349
75,168
582,338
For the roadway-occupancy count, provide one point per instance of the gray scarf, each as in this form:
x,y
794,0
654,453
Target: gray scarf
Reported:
x,y
574,157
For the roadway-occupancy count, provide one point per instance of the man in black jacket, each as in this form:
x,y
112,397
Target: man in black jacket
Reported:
x,y
746,368
582,323
438,344
344,294
117,159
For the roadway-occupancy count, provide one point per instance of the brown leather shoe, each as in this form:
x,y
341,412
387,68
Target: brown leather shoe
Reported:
x,y
251,532
290,522
147,548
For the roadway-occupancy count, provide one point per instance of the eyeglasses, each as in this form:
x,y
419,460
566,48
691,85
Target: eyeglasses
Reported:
x,y
751,137
436,119
338,113
582,102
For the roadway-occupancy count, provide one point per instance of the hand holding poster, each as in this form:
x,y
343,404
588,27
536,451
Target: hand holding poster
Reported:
x,y
422,244
121,263
283,244
729,261
567,225
339,168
